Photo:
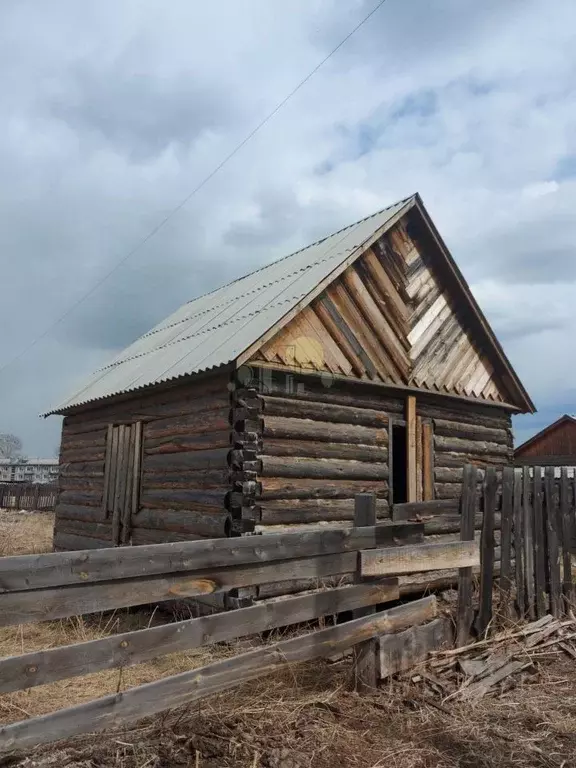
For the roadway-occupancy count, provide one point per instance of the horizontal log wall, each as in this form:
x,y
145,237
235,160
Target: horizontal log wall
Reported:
x,y
314,448
465,433
184,471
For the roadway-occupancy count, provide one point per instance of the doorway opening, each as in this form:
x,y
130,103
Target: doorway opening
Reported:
x,y
399,464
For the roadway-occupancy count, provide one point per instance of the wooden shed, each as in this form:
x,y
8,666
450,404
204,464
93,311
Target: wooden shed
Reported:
x,y
553,446
360,363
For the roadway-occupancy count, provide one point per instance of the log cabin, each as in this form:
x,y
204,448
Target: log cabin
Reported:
x,y
361,363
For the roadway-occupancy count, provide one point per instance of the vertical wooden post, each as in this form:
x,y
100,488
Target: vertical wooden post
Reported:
x,y
35,505
553,548
528,543
566,539
487,551
427,461
467,518
518,545
411,453
539,544
506,541
366,653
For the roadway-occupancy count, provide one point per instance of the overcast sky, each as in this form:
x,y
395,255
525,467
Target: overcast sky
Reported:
x,y
111,112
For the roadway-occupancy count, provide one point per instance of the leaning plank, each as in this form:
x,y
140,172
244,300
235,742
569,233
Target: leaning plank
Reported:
x,y
506,541
25,572
419,557
468,514
129,648
406,649
188,687
528,540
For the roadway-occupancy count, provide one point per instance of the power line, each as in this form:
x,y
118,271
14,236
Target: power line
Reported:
x,y
188,197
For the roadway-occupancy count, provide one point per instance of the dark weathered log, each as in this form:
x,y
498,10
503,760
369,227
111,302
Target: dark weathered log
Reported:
x,y
77,455
188,460
458,460
210,524
77,512
322,411
466,413
295,586
447,490
187,687
82,469
30,572
341,392
193,423
182,499
63,542
83,498
129,648
210,441
460,429
280,427
95,530
284,488
317,450
411,509
198,478
82,483
143,536
50,603
273,466
472,447
71,443
451,524
313,510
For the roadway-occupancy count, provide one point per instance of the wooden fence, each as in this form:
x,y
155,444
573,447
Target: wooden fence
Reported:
x,y
535,515
39,496
60,584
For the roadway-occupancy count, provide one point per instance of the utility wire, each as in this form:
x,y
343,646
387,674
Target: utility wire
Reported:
x,y
188,197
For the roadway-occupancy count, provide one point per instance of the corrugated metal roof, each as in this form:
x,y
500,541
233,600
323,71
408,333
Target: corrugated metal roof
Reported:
x,y
216,328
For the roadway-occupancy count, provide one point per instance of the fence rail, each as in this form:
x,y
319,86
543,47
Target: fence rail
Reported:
x,y
55,585
32,496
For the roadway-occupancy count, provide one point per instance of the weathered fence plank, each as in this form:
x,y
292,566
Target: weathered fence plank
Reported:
x,y
565,534
129,648
539,545
487,549
529,542
365,654
518,543
468,514
404,650
553,544
55,569
506,540
188,687
419,557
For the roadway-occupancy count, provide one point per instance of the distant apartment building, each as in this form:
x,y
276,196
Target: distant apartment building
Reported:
x,y
29,471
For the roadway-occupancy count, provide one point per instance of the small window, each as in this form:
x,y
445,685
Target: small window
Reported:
x,y
399,467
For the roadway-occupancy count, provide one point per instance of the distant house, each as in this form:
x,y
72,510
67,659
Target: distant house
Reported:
x,y
555,445
361,363
28,471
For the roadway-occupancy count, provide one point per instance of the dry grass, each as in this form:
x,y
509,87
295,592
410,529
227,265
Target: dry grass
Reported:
x,y
305,717
25,533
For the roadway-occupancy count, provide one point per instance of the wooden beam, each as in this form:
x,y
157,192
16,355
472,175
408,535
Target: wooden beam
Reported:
x,y
418,558
402,651
411,437
468,514
365,654
487,548
129,648
54,569
196,684
427,461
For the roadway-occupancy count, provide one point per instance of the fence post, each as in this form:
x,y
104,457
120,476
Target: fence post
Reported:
x,y
518,542
467,520
553,548
365,654
506,541
539,545
487,551
529,539
566,537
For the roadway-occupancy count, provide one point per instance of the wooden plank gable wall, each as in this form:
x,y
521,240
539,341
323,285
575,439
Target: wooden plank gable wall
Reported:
x,y
387,318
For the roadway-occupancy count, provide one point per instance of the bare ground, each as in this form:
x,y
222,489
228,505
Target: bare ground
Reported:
x,y
305,717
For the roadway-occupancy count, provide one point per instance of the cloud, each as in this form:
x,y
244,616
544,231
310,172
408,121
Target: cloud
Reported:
x,y
111,113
